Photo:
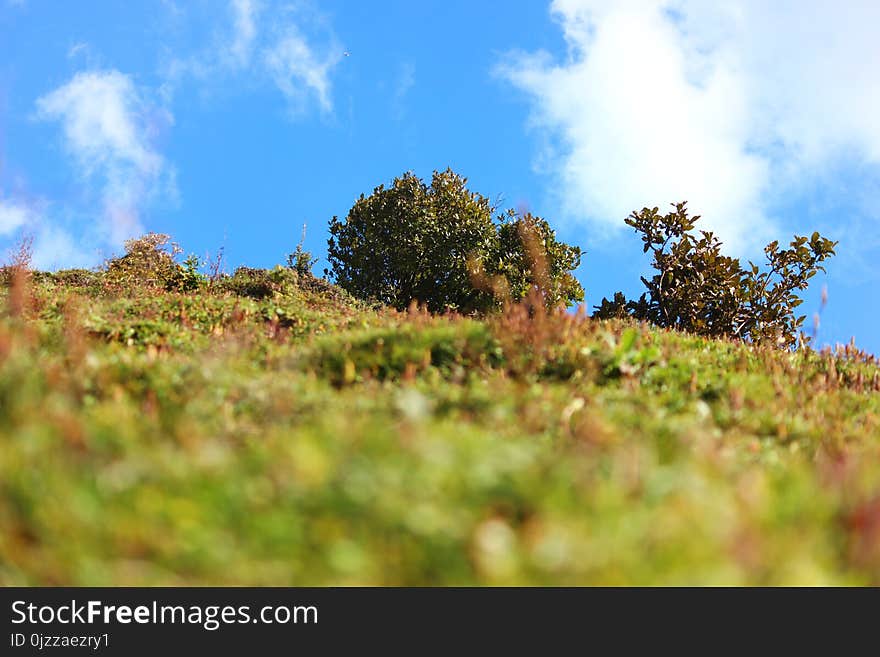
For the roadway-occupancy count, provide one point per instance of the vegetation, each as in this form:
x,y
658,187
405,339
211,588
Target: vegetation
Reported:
x,y
700,290
439,244
150,261
269,429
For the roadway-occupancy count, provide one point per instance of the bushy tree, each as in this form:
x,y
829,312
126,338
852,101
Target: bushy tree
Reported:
x,y
700,290
440,244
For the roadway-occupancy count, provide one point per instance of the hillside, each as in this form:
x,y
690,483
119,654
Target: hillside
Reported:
x,y
270,430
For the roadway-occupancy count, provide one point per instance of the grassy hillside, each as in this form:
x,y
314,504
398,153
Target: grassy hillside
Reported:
x,y
272,431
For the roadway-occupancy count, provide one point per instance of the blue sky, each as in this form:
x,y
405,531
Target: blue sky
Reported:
x,y
234,122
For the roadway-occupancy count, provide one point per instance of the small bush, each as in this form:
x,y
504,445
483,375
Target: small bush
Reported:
x,y
301,261
77,277
259,283
149,261
19,265
83,281
700,290
188,277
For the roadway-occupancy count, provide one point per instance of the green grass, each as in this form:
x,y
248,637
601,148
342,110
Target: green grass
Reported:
x,y
300,438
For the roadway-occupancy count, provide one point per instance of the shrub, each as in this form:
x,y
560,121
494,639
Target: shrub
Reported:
x,y
188,277
19,265
77,277
700,290
259,283
439,244
149,261
85,281
301,261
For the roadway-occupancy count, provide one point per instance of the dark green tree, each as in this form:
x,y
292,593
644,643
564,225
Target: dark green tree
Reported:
x,y
700,290
440,244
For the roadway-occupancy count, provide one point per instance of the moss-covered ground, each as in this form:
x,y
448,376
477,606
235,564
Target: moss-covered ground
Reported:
x,y
288,435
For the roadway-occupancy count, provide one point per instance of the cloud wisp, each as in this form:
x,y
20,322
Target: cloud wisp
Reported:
x,y
299,72
273,44
15,215
108,126
728,106
244,31
406,80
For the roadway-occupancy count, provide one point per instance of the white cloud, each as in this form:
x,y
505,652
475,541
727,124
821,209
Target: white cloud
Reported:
x,y
244,30
55,247
272,42
108,126
78,48
299,71
14,215
727,105
406,80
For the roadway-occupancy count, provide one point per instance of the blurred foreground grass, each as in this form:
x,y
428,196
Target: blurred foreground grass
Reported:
x,y
300,438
